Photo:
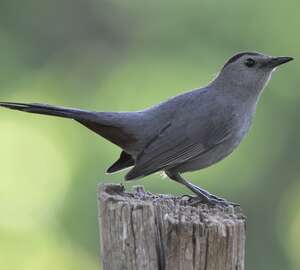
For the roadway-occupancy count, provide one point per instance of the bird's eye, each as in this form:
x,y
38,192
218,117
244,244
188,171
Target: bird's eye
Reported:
x,y
249,62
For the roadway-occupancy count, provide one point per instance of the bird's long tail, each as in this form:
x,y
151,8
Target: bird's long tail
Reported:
x,y
48,110
109,125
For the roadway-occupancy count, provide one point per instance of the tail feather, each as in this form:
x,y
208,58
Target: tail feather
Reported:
x,y
107,125
125,160
47,110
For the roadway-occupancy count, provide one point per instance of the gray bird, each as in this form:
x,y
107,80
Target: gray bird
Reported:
x,y
188,132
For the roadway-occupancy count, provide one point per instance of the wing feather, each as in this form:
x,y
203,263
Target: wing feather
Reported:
x,y
179,143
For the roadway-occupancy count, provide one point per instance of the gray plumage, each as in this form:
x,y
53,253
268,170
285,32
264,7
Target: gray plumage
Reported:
x,y
185,133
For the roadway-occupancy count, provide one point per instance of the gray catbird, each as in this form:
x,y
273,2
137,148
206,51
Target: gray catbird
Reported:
x,y
188,132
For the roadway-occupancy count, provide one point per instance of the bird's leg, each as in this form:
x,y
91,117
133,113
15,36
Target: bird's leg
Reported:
x,y
215,199
202,193
207,193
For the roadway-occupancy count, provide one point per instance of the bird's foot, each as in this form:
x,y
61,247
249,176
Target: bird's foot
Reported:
x,y
206,197
212,200
218,199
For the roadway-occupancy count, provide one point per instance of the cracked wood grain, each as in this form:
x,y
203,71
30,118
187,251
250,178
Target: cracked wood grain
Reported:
x,y
143,231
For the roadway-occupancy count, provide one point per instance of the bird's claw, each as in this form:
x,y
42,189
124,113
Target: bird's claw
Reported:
x,y
212,200
221,200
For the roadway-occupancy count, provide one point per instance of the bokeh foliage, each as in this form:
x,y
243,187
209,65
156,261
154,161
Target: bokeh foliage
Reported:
x,y
127,55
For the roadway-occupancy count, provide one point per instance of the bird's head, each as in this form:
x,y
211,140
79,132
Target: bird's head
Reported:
x,y
250,71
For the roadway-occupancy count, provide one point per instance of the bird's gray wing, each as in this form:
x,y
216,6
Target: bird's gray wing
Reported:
x,y
179,142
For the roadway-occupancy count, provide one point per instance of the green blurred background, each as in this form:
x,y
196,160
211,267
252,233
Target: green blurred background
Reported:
x,y
128,55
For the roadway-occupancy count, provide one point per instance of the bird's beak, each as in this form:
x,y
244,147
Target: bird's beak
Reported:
x,y
277,61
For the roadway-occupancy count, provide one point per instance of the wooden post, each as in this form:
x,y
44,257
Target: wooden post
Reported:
x,y
142,231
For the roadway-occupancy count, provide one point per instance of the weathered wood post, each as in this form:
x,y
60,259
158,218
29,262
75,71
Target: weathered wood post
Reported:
x,y
142,231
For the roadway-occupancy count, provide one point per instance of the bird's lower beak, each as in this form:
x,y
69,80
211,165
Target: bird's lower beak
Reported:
x,y
277,61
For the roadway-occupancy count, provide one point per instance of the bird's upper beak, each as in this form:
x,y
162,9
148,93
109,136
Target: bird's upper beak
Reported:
x,y
277,61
